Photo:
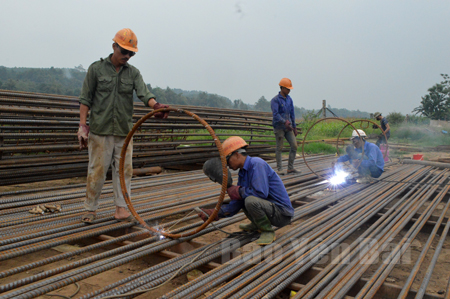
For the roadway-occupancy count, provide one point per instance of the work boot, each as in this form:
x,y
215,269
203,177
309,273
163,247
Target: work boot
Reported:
x,y
294,171
280,172
251,227
267,232
364,180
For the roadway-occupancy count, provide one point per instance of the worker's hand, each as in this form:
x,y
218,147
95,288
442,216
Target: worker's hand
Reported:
x,y
233,193
161,115
288,125
209,212
374,126
295,132
83,135
356,163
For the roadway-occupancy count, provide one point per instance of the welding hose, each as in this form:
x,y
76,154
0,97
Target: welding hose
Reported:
x,y
122,175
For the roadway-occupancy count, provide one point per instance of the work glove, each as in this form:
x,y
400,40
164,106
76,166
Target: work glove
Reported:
x,y
209,212
288,125
161,115
233,193
374,126
83,135
295,132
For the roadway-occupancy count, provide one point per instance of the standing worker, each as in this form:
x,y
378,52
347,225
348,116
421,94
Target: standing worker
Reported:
x,y
371,165
386,128
259,192
108,93
284,125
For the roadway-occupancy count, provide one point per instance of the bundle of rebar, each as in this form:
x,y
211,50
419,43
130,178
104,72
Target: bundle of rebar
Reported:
x,y
373,225
38,136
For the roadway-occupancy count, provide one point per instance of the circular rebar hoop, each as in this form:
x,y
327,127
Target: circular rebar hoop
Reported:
x,y
126,196
368,122
315,123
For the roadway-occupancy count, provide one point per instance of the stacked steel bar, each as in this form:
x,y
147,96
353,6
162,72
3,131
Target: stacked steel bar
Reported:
x,y
38,138
325,222
156,198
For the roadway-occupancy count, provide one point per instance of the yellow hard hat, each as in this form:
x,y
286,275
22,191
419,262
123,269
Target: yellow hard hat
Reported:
x,y
126,39
233,143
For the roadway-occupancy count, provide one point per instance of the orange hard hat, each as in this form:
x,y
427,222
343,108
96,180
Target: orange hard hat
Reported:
x,y
285,82
233,143
126,39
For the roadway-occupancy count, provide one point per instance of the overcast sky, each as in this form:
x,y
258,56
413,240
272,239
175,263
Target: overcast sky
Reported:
x,y
379,55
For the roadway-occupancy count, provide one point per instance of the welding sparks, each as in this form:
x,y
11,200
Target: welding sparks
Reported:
x,y
339,177
160,229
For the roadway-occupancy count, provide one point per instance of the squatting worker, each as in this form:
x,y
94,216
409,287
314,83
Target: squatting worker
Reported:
x,y
108,94
385,126
260,193
369,165
284,125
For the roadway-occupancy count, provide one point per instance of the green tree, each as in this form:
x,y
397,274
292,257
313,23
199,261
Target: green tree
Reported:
x,y
395,118
263,105
240,105
10,84
436,104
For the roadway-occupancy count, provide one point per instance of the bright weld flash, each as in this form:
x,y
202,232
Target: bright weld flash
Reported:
x,y
338,178
160,229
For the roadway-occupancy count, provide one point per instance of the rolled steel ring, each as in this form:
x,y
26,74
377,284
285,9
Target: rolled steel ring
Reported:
x,y
126,196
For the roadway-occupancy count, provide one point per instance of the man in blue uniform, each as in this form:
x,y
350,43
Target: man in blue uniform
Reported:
x,y
369,165
284,125
260,193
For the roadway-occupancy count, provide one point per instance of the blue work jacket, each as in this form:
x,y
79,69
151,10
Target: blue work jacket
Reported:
x,y
282,110
258,179
373,153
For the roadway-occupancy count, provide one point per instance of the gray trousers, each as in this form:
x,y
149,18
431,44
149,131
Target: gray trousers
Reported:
x,y
257,208
104,151
280,135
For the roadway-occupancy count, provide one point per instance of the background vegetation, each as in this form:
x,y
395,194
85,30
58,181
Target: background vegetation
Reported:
x,y
69,82
405,128
436,104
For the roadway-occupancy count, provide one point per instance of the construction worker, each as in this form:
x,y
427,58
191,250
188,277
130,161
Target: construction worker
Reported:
x,y
107,93
260,193
386,128
369,165
284,125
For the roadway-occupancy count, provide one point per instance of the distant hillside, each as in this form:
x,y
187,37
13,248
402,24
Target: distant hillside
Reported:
x,y
69,82
45,80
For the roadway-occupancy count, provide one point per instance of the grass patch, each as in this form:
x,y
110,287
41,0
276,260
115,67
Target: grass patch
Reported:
x,y
319,148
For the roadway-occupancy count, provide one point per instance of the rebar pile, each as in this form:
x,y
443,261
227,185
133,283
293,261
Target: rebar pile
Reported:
x,y
376,222
38,136
156,198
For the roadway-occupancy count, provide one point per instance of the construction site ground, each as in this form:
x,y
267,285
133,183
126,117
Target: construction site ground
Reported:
x,y
397,277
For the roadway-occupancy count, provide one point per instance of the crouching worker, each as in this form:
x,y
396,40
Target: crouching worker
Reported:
x,y
368,166
260,193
